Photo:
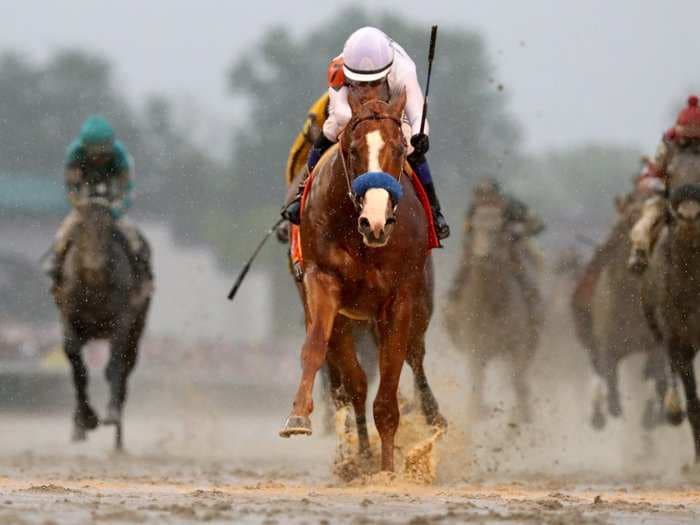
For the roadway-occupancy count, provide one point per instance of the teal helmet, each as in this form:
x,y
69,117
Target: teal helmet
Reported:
x,y
96,130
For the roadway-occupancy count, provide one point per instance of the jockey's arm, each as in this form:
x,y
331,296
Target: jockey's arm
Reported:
x,y
121,192
122,183
414,97
72,176
339,113
662,158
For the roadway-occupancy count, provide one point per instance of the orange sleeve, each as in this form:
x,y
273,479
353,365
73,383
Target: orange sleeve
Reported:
x,y
336,76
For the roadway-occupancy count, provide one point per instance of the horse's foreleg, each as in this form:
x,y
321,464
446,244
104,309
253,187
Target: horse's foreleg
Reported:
x,y
655,370
394,330
612,381
476,408
683,361
323,298
84,418
429,405
521,386
344,357
123,356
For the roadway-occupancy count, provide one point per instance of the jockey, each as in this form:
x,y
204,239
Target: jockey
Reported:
x,y
371,57
96,157
518,217
684,136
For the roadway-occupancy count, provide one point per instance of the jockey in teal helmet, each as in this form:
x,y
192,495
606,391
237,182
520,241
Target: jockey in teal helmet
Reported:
x,y
95,157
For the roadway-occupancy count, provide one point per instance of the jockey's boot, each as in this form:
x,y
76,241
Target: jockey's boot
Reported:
x,y
292,210
441,227
638,261
52,266
141,261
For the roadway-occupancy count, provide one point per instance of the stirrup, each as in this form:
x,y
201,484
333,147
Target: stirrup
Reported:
x,y
441,227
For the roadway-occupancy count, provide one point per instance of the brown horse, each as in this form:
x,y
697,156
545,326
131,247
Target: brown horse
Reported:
x,y
671,290
614,323
383,274
489,315
100,297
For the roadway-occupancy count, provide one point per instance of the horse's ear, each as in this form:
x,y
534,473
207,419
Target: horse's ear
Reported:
x,y
398,103
354,101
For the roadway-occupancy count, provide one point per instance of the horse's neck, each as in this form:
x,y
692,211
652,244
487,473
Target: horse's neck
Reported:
x,y
685,254
684,168
488,282
336,192
93,251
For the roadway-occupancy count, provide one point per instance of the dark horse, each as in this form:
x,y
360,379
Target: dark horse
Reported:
x,y
489,316
383,274
671,290
610,322
100,297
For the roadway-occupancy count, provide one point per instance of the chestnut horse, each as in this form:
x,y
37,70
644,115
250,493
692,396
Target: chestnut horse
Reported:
x,y
383,273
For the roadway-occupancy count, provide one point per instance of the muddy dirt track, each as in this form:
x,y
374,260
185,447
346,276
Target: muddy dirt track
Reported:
x,y
196,453
177,473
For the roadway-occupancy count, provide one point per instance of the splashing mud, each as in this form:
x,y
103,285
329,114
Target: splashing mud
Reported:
x,y
209,451
416,451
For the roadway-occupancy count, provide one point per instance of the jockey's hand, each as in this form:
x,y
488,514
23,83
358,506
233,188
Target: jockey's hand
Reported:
x,y
420,143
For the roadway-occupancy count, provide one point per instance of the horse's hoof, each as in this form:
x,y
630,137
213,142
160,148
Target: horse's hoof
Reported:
x,y
675,418
673,407
598,420
438,421
296,426
113,417
79,434
86,418
615,409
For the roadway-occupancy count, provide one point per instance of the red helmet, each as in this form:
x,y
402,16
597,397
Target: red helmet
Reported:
x,y
688,121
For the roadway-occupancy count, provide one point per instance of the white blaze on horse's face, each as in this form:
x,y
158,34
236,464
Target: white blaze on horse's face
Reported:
x,y
487,224
376,207
375,143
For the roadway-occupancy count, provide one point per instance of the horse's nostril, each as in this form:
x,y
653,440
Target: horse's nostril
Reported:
x,y
391,221
364,223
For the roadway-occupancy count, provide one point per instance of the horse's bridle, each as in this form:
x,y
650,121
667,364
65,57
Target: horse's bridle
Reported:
x,y
349,128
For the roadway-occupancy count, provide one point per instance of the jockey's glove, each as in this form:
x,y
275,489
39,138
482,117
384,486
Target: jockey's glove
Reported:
x,y
420,143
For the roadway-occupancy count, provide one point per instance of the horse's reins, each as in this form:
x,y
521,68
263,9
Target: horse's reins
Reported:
x,y
350,127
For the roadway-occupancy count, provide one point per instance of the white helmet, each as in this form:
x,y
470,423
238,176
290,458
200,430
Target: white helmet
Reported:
x,y
367,55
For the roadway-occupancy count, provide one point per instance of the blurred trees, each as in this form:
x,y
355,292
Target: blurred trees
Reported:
x,y
574,189
42,106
